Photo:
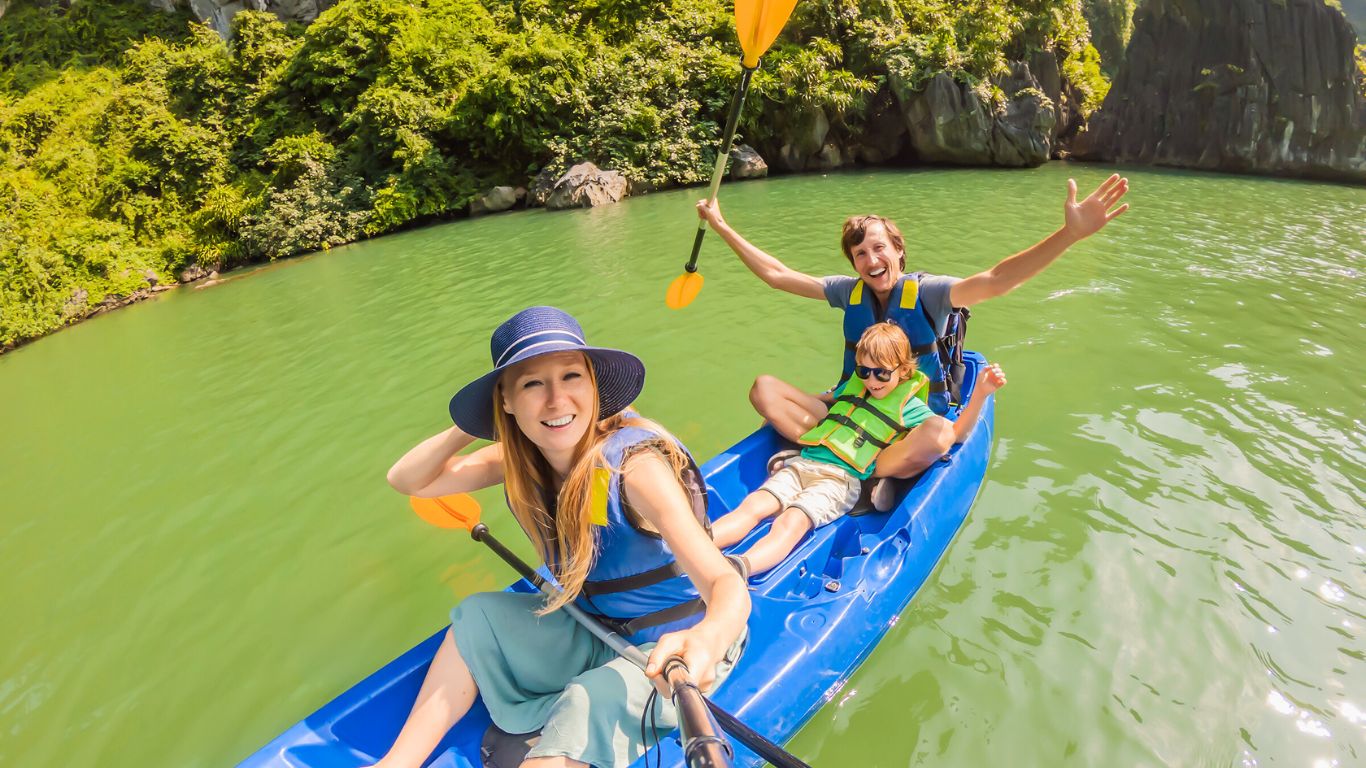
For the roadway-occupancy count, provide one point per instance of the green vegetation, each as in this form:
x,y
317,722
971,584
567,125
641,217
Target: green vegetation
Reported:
x,y
136,143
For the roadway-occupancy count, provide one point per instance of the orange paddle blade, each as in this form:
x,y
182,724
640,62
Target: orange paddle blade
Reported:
x,y
456,511
758,22
683,290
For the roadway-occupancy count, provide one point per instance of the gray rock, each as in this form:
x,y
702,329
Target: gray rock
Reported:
x,y
151,277
884,134
745,163
76,305
497,199
586,186
947,121
192,273
1236,85
801,140
543,185
950,122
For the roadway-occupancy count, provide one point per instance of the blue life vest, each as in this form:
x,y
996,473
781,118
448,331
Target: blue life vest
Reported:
x,y
635,584
904,309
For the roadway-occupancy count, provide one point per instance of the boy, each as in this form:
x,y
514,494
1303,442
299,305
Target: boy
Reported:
x,y
883,400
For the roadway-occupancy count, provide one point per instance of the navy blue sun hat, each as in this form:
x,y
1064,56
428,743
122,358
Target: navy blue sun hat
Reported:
x,y
537,331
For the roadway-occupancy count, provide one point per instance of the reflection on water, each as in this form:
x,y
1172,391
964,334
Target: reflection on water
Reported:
x,y
1167,564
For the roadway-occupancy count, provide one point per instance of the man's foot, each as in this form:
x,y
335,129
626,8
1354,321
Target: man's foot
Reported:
x,y
884,494
780,458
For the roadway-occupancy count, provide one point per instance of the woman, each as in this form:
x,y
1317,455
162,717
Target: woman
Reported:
x,y
616,508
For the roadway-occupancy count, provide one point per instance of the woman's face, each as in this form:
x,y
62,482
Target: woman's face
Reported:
x,y
553,399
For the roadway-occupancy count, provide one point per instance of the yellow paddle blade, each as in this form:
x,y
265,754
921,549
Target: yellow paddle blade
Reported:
x,y
683,290
456,511
758,22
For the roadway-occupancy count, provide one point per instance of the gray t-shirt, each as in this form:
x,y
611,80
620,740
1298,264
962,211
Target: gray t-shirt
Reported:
x,y
934,295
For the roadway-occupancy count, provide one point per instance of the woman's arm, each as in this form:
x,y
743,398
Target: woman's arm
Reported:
x,y
654,492
434,467
773,272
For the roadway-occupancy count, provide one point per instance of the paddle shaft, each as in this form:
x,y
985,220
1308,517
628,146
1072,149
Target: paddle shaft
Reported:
x,y
732,121
752,739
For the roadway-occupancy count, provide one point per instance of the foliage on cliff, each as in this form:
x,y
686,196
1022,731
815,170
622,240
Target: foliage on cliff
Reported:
x,y
135,143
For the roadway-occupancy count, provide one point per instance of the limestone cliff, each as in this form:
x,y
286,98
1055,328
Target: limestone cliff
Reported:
x,y
1253,86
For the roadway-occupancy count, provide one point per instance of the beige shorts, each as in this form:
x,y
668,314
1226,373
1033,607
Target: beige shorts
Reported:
x,y
823,491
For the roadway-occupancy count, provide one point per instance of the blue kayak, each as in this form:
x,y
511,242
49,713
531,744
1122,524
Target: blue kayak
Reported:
x,y
815,617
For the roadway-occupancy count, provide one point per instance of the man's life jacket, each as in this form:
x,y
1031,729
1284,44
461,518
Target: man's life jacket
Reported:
x,y
939,358
635,585
858,427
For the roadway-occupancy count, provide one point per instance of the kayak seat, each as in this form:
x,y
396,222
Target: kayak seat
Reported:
x,y
501,749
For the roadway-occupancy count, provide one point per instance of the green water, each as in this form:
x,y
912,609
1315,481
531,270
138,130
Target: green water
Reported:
x,y
1166,565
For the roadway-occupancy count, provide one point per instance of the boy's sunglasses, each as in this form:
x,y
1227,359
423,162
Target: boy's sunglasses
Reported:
x,y
882,374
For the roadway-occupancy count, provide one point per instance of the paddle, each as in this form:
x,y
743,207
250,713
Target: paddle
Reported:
x,y
757,24
462,511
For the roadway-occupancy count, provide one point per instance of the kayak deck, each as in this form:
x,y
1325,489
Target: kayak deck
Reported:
x,y
815,617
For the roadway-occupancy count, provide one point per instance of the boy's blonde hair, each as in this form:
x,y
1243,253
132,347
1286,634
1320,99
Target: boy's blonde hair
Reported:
x,y
886,345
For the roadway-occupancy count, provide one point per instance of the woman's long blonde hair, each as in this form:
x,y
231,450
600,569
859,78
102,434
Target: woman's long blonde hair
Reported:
x,y
565,538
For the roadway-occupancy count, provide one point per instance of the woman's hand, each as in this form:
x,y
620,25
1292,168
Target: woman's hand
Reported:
x,y
700,649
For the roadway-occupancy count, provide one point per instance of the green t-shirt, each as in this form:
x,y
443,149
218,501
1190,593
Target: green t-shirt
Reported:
x,y
914,412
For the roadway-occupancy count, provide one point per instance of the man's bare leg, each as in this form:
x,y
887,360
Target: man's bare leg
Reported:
x,y
791,411
732,527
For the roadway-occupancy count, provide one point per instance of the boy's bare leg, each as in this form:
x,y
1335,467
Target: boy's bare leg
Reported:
x,y
733,526
780,540
915,452
791,411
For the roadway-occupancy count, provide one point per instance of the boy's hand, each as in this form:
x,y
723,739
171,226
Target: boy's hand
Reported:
x,y
991,378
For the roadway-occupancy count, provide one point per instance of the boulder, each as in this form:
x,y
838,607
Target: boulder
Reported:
x,y
497,199
1236,85
151,277
218,13
192,273
1022,135
586,186
543,185
745,163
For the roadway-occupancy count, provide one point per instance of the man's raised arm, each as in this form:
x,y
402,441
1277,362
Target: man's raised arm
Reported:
x,y
1081,220
773,272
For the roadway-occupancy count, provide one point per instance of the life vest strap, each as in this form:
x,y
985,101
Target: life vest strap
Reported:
x,y
925,349
861,434
939,386
862,403
641,580
628,627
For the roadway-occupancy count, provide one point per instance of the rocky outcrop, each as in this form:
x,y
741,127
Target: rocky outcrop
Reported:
x,y
951,122
586,186
745,163
218,13
1236,85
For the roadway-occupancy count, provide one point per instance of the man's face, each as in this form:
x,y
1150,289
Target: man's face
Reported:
x,y
877,260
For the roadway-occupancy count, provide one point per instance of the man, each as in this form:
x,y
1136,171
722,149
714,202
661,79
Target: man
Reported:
x,y
883,291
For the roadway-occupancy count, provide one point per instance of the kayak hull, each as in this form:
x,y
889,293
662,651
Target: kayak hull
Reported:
x,y
815,618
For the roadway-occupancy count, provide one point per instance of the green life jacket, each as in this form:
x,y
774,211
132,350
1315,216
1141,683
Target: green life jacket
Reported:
x,y
859,427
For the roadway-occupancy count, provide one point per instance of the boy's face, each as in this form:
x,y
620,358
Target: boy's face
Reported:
x,y
876,387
